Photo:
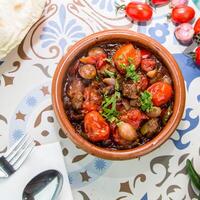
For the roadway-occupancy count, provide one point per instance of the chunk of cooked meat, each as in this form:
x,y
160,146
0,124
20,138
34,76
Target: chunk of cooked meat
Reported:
x,y
75,87
92,94
150,127
129,89
161,75
77,101
76,116
135,103
143,82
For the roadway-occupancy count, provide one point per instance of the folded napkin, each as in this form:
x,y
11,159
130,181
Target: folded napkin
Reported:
x,y
42,158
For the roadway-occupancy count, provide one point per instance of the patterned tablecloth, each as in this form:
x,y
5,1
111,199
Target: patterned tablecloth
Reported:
x,y
25,105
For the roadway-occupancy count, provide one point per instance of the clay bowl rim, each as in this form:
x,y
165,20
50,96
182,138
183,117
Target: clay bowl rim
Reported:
x,y
141,40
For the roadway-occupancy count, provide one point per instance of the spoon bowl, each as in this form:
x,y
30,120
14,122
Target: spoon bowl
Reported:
x,y
48,182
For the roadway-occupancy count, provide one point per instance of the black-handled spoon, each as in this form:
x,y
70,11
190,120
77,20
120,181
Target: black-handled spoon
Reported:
x,y
37,185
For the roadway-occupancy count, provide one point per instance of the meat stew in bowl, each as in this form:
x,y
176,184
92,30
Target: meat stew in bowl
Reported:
x,y
118,95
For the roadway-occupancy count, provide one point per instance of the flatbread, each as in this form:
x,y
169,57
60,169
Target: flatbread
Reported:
x,y
16,18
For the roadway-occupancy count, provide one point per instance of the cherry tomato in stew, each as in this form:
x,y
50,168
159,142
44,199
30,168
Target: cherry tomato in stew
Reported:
x,y
182,14
96,128
133,117
197,27
98,60
124,55
145,53
161,93
139,11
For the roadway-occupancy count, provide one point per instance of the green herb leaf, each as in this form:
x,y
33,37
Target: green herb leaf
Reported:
x,y
146,101
109,60
109,106
130,60
109,73
122,65
97,78
132,74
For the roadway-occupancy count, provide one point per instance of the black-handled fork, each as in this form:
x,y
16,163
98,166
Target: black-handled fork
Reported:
x,y
15,156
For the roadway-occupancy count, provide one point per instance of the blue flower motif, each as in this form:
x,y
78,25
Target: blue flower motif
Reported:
x,y
159,32
70,179
198,98
17,134
100,164
31,101
62,32
104,4
145,197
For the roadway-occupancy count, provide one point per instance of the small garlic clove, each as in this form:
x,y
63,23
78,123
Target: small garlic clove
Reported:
x,y
109,81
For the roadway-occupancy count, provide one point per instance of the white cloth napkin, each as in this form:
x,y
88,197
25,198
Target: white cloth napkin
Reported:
x,y
42,158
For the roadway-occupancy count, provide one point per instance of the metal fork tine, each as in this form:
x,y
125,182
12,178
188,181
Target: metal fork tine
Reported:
x,y
3,174
20,161
21,152
17,149
11,149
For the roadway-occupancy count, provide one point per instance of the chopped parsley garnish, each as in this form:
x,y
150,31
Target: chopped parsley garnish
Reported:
x,y
132,74
109,60
130,60
109,105
97,78
109,73
123,65
146,101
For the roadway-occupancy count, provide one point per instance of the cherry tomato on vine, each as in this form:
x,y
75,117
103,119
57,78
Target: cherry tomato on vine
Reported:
x,y
137,11
96,128
159,2
161,93
182,14
197,56
197,27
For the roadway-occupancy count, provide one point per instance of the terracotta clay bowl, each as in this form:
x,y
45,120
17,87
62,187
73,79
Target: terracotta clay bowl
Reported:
x,y
142,41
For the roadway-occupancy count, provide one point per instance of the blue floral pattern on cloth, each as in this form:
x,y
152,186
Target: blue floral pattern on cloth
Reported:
x,y
62,32
100,164
17,134
159,32
189,74
145,197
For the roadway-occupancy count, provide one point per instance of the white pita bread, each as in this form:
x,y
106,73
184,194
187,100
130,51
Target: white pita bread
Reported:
x,y
16,18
